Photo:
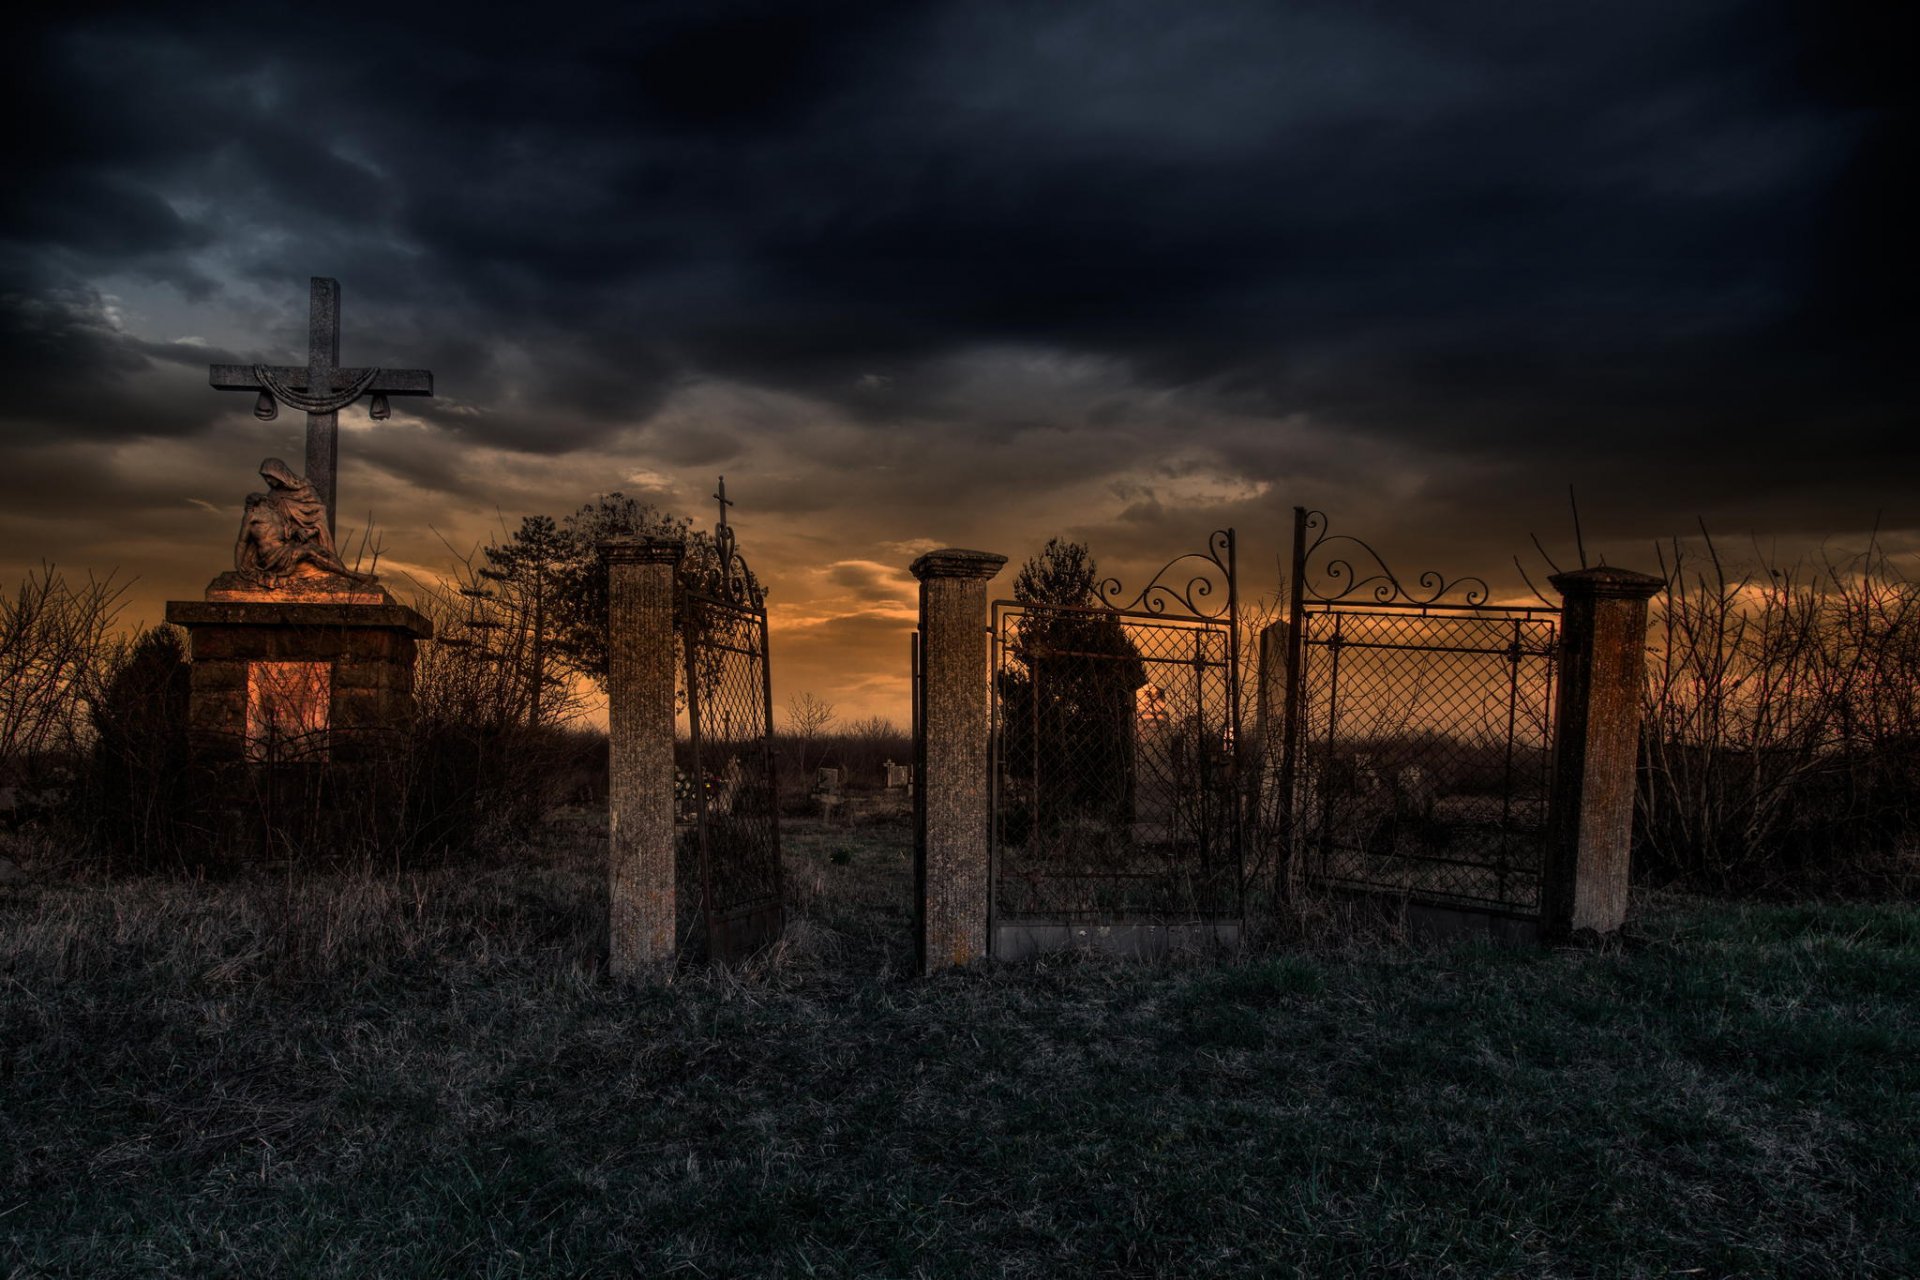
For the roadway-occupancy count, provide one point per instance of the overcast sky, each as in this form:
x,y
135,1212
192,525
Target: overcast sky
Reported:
x,y
973,273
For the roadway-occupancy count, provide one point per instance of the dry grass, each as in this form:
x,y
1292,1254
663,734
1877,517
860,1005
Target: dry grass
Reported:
x,y
427,1075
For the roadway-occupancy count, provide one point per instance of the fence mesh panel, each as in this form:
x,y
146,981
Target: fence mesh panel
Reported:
x,y
732,783
1113,770
1424,742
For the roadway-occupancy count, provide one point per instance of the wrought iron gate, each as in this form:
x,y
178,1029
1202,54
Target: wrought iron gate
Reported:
x,y
735,799
1115,779
1415,753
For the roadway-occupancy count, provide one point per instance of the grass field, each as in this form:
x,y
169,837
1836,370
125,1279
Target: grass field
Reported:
x,y
427,1075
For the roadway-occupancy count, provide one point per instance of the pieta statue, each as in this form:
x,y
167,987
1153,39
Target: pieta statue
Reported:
x,y
284,532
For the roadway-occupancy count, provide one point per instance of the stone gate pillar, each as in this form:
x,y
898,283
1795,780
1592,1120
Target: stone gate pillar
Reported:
x,y
640,685
1268,876
951,847
1603,637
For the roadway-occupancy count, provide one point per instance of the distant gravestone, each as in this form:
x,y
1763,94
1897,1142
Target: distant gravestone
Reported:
x,y
899,776
1157,745
727,786
1415,791
826,782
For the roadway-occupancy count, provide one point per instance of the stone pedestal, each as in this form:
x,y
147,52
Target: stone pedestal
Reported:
x,y
1603,639
951,870
298,679
640,684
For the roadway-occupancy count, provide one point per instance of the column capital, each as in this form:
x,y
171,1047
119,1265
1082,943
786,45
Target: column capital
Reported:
x,y
1608,583
633,550
955,562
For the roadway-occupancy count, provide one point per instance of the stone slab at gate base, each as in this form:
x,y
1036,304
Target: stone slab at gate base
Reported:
x,y
1431,922
1017,941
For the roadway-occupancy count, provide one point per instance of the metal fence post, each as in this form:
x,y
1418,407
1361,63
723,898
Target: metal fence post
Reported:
x,y
1602,660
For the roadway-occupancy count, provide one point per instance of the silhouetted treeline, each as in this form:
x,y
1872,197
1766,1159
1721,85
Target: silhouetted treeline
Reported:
x,y
1781,742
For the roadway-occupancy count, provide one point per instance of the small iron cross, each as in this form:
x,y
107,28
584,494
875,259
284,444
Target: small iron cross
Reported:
x,y
724,501
321,382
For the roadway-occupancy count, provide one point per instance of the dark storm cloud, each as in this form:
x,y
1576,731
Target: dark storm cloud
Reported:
x,y
1662,247
73,372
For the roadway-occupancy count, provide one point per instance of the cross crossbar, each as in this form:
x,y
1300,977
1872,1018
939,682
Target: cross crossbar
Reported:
x,y
321,386
388,382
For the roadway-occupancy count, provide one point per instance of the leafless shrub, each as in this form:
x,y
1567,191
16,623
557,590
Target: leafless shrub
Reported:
x,y
1781,722
56,641
497,741
489,663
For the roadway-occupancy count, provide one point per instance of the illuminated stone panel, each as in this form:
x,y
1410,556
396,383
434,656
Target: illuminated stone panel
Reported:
x,y
288,706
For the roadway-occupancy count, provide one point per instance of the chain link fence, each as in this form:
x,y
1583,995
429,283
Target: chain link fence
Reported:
x,y
1113,771
1423,752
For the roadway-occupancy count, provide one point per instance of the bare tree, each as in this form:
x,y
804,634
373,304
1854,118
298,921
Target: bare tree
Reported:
x,y
807,720
56,641
491,665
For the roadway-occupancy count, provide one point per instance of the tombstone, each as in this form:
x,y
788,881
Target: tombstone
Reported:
x,y
297,657
727,784
1270,708
826,792
1157,767
899,776
1414,791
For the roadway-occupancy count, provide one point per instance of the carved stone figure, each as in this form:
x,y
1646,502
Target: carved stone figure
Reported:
x,y
284,532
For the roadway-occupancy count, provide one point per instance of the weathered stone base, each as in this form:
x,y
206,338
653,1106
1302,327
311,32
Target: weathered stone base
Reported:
x,y
1021,939
309,587
360,656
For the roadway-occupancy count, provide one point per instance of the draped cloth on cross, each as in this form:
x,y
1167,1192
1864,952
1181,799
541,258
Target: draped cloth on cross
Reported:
x,y
321,389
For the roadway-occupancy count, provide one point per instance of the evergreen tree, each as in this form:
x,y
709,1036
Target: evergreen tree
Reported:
x,y
1067,696
140,776
558,571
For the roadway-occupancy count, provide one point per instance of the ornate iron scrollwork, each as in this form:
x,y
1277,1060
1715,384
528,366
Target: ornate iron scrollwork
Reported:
x,y
1212,573
728,578
1344,581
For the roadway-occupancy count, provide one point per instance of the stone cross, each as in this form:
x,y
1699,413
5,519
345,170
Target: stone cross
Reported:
x,y
322,388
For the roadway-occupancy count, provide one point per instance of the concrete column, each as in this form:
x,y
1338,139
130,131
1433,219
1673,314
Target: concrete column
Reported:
x,y
951,850
1603,640
640,684
1270,699
1268,869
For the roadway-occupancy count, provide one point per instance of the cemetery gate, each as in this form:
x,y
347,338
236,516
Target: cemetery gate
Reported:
x,y
729,779
1417,732
1114,745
